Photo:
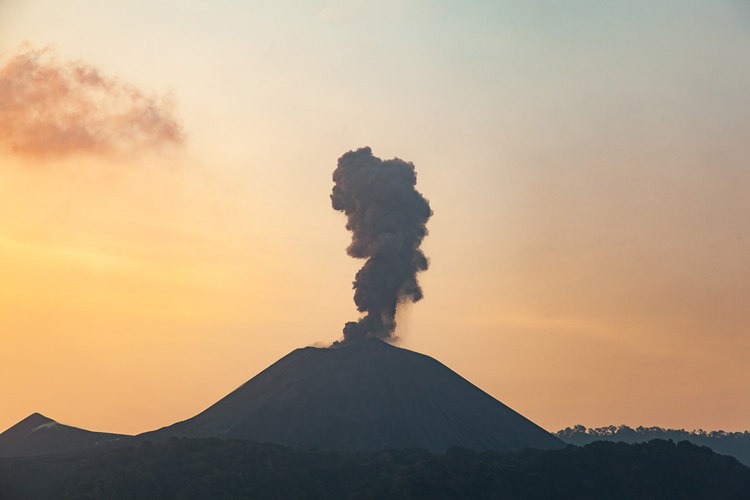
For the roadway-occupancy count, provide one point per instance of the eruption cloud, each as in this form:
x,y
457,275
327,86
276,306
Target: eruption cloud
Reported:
x,y
387,217
52,108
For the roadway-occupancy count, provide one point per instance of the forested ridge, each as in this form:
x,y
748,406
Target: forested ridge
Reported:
x,y
234,469
736,444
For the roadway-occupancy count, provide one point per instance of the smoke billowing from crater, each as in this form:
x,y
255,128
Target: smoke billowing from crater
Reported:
x,y
387,217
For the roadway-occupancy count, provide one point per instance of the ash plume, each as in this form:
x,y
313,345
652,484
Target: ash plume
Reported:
x,y
387,218
57,108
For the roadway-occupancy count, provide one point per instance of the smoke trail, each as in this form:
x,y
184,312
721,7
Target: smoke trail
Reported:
x,y
387,218
48,108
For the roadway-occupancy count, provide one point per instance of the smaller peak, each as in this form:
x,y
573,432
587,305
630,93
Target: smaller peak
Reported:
x,y
36,418
29,423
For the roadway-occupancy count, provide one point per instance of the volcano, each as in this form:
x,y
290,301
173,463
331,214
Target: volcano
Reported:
x,y
364,395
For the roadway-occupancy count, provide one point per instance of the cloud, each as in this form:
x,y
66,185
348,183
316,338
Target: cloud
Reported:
x,y
52,108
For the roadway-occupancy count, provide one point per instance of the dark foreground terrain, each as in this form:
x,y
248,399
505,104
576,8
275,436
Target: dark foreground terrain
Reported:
x,y
211,468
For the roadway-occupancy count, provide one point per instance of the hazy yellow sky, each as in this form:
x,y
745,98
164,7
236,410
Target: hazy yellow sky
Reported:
x,y
165,222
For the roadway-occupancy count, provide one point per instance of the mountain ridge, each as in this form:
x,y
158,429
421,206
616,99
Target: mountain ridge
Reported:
x,y
40,435
363,395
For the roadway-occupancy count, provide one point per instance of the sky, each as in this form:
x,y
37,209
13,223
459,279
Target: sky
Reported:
x,y
166,229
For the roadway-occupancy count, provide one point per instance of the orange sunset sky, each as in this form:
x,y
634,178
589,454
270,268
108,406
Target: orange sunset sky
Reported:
x,y
165,222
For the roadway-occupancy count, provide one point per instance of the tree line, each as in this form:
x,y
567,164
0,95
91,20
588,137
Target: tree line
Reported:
x,y
736,444
189,469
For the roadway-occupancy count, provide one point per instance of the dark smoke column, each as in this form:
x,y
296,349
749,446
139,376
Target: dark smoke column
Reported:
x,y
387,218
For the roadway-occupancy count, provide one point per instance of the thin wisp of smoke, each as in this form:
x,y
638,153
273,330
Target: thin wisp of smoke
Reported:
x,y
387,217
53,108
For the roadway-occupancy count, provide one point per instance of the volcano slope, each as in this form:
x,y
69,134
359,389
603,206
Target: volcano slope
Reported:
x,y
366,395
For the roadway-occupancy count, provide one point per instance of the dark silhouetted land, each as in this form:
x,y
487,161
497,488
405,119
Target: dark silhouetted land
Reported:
x,y
366,395
38,435
228,469
736,444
